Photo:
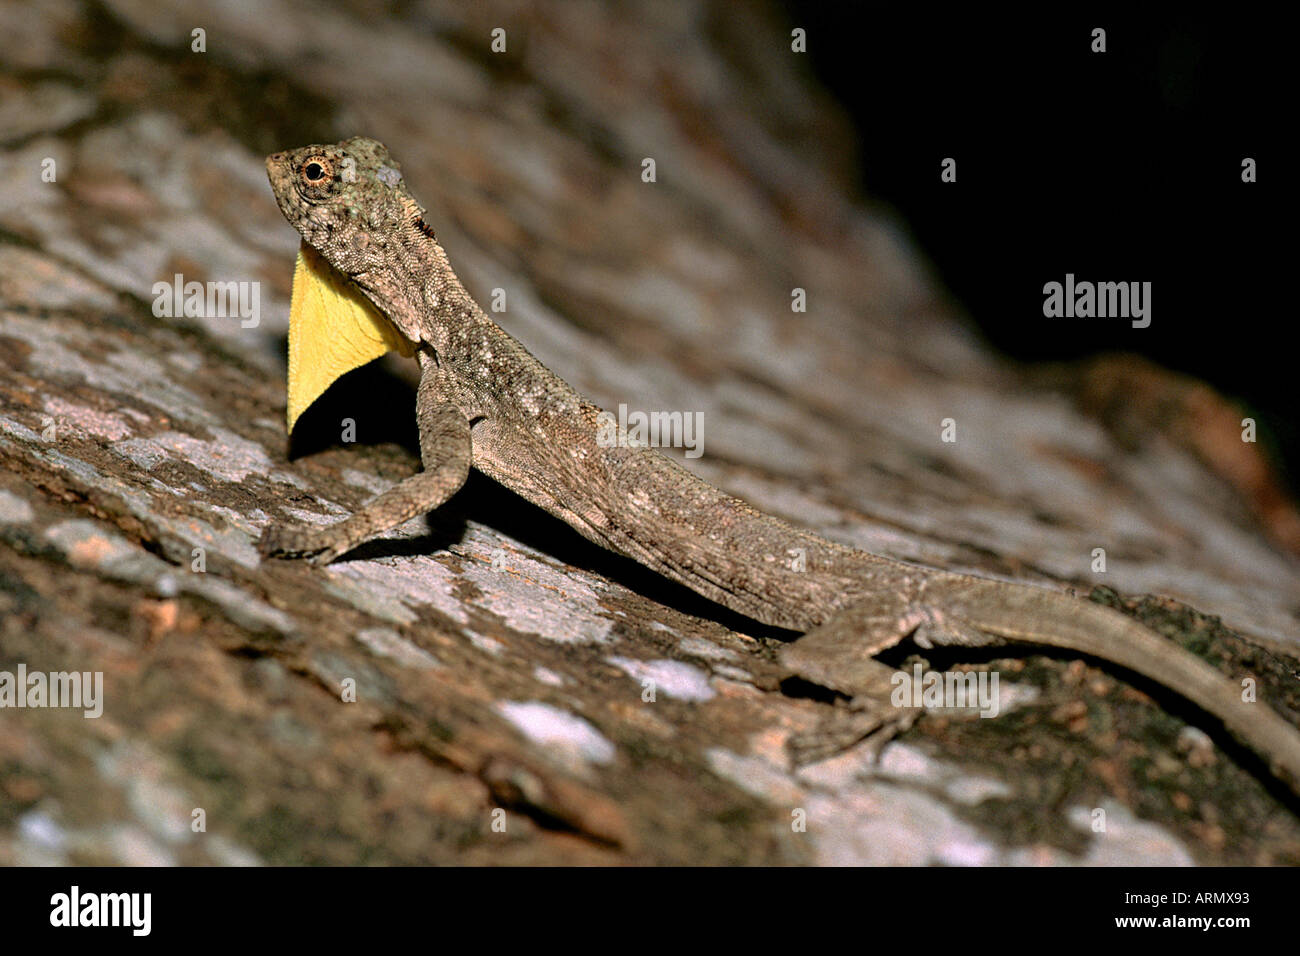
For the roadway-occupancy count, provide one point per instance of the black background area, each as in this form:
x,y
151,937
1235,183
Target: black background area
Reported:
x,y
1118,166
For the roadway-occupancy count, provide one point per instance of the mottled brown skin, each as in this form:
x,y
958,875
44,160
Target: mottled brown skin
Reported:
x,y
485,402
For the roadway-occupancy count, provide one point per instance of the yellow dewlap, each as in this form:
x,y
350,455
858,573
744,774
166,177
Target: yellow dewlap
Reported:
x,y
333,329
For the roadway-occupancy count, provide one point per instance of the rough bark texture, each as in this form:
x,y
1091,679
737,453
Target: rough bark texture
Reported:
x,y
498,660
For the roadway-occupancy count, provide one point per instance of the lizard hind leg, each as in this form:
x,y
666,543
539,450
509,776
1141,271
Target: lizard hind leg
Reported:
x,y
840,655
938,628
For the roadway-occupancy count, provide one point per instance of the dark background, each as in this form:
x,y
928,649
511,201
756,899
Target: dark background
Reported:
x,y
1121,166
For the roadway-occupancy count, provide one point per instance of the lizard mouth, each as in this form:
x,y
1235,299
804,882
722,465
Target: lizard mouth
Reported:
x,y
280,174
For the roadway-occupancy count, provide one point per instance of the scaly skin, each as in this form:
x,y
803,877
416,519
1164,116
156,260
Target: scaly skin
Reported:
x,y
485,402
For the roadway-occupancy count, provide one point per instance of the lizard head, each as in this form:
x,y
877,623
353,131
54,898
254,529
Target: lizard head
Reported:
x,y
347,200
350,204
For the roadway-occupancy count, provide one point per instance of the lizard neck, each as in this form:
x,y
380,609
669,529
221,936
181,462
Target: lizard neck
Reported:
x,y
414,284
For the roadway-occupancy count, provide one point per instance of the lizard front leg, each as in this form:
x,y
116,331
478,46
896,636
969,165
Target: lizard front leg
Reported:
x,y
445,449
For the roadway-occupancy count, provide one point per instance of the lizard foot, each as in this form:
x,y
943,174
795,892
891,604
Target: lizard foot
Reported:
x,y
865,719
298,541
870,715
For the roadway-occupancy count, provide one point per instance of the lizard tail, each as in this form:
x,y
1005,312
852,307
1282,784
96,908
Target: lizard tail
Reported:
x,y
1016,614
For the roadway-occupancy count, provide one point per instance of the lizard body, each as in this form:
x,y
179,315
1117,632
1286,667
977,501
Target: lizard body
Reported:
x,y
485,402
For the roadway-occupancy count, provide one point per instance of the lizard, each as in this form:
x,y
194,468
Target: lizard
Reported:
x,y
485,402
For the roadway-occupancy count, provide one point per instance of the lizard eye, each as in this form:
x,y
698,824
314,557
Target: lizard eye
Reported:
x,y
316,170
